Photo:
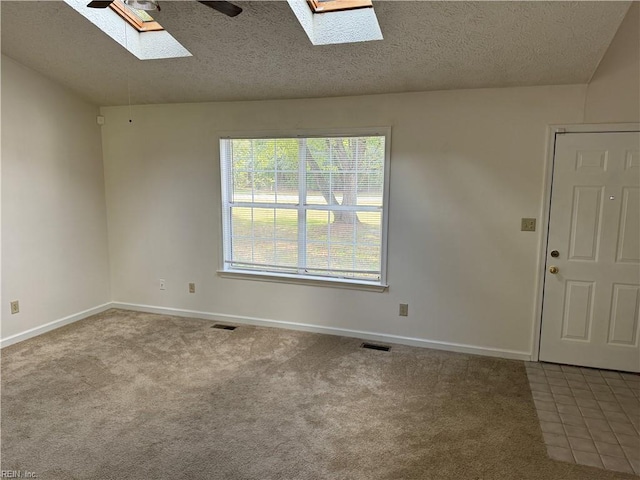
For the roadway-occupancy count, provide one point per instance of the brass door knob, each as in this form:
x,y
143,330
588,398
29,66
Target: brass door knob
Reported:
x,y
553,269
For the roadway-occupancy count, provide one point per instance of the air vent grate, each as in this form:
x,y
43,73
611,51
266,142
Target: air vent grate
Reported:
x,y
223,327
373,346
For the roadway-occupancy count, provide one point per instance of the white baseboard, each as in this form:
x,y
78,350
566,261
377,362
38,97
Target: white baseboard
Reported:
x,y
378,337
34,332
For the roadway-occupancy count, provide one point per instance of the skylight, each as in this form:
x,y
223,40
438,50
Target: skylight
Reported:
x,y
138,19
134,29
323,6
329,22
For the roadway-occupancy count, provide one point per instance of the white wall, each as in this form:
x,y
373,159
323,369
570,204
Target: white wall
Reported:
x,y
54,235
614,91
465,167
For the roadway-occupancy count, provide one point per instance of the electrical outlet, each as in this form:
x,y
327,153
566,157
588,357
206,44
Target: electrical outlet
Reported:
x,y
404,310
528,225
163,285
192,288
15,307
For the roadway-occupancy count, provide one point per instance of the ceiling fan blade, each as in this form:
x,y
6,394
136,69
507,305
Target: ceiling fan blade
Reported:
x,y
100,4
227,8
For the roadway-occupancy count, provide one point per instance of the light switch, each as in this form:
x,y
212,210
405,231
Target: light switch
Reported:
x,y
528,225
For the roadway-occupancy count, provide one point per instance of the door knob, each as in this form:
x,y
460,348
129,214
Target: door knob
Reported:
x,y
553,269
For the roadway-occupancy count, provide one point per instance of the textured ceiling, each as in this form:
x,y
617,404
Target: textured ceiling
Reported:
x,y
264,53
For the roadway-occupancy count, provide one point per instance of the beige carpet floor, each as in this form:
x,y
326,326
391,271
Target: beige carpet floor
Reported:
x,y
126,395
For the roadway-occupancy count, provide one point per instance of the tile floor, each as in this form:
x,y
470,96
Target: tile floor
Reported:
x,y
588,416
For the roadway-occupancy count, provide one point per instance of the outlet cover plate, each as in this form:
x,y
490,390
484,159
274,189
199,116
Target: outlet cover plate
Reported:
x,y
15,307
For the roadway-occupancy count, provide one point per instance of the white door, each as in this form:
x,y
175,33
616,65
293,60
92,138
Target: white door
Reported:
x,y
591,292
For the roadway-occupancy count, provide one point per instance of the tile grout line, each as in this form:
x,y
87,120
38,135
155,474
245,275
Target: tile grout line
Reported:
x,y
542,377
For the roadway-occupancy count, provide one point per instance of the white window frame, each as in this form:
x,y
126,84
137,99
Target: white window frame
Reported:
x,y
225,229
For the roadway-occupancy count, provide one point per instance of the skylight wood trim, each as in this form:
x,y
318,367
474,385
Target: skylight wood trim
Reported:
x,y
118,7
338,5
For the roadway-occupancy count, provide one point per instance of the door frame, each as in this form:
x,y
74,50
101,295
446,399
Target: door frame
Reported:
x,y
552,132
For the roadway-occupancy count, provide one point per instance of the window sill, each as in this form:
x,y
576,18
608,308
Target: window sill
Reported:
x,y
313,281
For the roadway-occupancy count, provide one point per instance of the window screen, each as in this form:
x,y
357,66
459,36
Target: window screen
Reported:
x,y
305,206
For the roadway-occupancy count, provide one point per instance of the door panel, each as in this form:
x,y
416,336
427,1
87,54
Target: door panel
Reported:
x,y
585,224
633,160
629,235
591,302
593,162
623,329
577,310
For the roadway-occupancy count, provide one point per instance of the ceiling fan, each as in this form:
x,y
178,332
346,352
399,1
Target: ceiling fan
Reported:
x,y
227,8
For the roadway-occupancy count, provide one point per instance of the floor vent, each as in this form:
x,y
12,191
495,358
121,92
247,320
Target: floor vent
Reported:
x,y
224,327
373,346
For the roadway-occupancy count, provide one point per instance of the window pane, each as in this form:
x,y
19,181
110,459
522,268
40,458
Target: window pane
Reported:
x,y
241,223
264,183
318,222
368,254
286,225
263,223
265,171
317,258
341,258
367,257
241,169
286,254
369,228
242,250
371,171
345,171
320,188
263,251
344,243
265,236
286,187
264,154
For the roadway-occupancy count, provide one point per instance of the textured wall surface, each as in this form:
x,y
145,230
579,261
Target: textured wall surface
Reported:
x,y
465,167
54,229
265,53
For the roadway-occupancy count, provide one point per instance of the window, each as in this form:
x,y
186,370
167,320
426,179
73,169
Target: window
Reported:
x,y
330,22
309,207
133,29
322,6
138,19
